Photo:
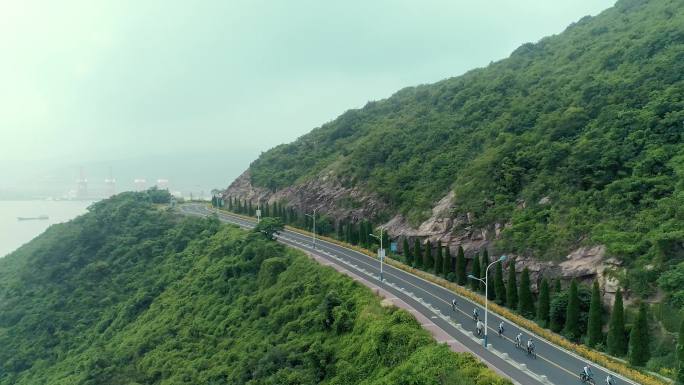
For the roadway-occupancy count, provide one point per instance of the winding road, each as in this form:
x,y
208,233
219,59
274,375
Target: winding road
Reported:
x,y
553,365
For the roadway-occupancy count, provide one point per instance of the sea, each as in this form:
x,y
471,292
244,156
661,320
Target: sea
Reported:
x,y
14,233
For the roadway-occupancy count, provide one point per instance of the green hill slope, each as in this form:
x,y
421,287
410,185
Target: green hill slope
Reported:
x,y
132,294
590,121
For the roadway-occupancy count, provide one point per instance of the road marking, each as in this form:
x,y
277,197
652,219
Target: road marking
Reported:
x,y
361,258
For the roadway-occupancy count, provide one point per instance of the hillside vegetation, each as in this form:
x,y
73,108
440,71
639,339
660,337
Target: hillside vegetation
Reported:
x,y
133,294
592,118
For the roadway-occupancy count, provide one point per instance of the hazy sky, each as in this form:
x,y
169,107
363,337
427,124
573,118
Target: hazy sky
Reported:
x,y
92,80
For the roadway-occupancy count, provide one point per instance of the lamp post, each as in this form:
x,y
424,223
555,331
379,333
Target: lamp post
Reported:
x,y
313,216
501,259
381,252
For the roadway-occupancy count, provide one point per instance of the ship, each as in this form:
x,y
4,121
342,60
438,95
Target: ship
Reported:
x,y
38,218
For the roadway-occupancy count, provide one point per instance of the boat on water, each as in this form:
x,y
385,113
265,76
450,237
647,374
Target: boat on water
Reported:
x,y
38,218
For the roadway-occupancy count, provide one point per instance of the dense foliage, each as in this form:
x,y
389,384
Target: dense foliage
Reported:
x,y
131,293
575,139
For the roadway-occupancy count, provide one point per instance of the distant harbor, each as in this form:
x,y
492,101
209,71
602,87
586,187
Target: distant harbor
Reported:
x,y
38,218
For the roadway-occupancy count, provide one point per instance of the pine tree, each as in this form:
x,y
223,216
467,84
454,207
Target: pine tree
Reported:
x,y
639,352
438,259
427,256
407,252
499,286
340,230
572,325
544,305
512,287
679,380
461,277
557,288
474,283
616,342
595,326
416,253
526,301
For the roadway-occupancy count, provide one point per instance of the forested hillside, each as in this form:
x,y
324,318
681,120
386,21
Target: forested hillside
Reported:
x,y
575,140
131,293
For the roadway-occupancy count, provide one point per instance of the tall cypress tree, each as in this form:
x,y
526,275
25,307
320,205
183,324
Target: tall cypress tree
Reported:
x,y
544,305
474,283
526,301
512,287
428,263
572,315
340,230
491,290
407,252
499,286
557,288
679,380
595,325
251,209
446,262
438,259
461,277
617,341
639,352
416,253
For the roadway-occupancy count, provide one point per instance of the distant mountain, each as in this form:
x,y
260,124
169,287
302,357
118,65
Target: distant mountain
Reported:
x,y
133,294
573,142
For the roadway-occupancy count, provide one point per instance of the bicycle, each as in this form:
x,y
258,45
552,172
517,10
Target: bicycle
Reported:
x,y
587,379
531,353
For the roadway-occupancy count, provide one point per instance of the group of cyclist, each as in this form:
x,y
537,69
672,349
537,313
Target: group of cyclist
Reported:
x,y
586,376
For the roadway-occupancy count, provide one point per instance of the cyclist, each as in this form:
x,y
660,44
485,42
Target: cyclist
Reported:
x,y
610,380
501,328
480,328
476,315
453,304
530,346
518,340
586,371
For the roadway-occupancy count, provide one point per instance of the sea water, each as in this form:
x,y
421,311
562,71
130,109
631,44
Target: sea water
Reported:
x,y
14,233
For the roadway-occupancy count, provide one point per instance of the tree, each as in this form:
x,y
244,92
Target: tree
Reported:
x,y
438,259
617,341
572,314
499,286
595,325
557,286
416,253
427,256
461,277
269,227
407,252
544,304
512,287
679,380
447,261
526,303
639,352
475,285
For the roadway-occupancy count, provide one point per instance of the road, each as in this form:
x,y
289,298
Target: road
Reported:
x,y
553,365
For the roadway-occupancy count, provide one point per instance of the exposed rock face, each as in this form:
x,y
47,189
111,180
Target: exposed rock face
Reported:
x,y
325,193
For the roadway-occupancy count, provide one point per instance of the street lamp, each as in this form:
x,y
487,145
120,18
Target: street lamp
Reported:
x,y
501,259
313,216
381,252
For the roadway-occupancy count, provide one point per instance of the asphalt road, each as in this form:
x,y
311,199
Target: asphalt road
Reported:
x,y
553,365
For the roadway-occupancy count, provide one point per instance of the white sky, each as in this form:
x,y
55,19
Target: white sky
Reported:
x,y
93,80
